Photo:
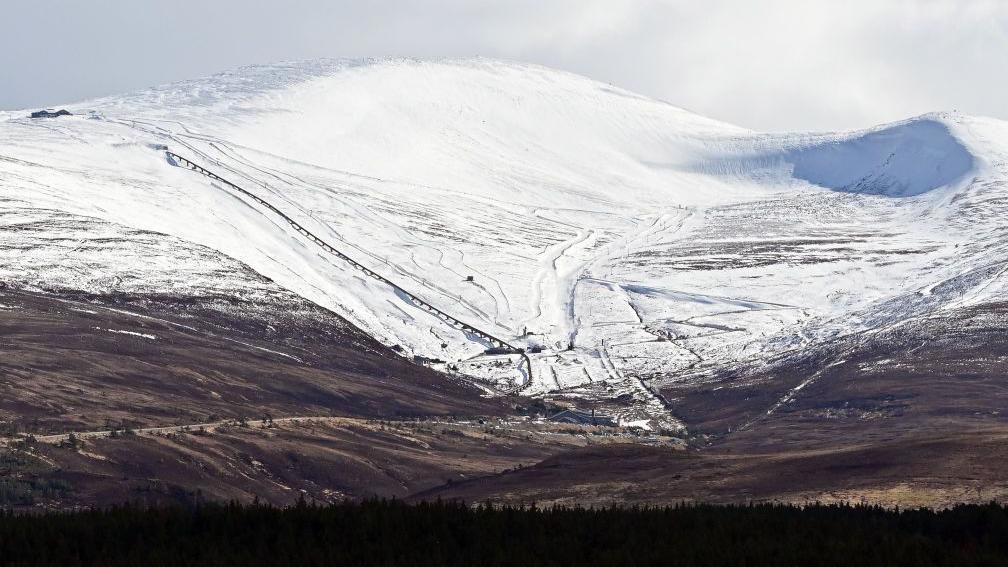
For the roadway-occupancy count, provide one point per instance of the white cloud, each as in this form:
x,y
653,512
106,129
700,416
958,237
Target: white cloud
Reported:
x,y
772,64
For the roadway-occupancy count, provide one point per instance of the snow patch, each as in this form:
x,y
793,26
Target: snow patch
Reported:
x,y
639,423
132,333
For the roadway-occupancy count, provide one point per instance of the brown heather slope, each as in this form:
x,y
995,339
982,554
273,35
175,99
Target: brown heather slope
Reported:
x,y
923,471
71,363
326,459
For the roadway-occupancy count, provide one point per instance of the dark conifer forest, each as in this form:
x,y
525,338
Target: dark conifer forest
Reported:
x,y
394,533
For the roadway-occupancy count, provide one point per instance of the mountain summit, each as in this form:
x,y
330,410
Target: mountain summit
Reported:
x,y
618,245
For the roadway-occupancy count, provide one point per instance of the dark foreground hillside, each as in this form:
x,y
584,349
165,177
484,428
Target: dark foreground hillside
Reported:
x,y
393,533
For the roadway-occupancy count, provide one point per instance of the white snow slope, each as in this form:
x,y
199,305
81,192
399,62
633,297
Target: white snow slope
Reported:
x,y
655,241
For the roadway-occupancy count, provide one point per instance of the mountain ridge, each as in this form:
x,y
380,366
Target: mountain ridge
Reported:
x,y
537,204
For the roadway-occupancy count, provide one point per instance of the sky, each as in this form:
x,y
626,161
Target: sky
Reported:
x,y
764,64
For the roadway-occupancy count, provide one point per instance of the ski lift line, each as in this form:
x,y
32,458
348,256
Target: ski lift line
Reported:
x,y
455,323
160,131
430,285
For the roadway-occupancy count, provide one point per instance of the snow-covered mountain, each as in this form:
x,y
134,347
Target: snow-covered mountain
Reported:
x,y
626,243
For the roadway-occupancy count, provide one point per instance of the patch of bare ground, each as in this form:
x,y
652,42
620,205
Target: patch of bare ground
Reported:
x,y
940,374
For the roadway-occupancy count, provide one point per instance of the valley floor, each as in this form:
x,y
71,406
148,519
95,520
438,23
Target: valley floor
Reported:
x,y
912,416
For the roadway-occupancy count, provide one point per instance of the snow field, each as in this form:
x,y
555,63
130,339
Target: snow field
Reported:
x,y
655,242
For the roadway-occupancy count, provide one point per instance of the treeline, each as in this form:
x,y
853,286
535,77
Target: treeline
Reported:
x,y
393,533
